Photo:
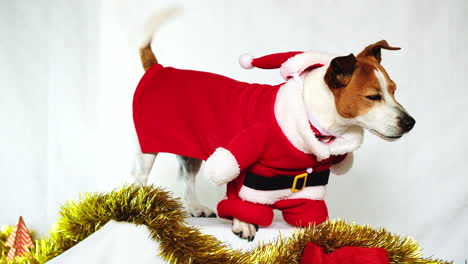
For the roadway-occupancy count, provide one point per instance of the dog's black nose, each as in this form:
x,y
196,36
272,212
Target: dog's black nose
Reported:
x,y
407,123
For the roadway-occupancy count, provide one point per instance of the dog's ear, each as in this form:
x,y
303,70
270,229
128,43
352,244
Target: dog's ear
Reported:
x,y
340,71
375,50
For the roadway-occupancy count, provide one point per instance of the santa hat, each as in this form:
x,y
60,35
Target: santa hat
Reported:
x,y
290,63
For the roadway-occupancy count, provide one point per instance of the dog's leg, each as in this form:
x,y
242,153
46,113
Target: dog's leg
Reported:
x,y
188,169
143,164
244,230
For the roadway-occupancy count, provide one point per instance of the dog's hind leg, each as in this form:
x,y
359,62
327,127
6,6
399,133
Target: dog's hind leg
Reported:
x,y
188,169
142,167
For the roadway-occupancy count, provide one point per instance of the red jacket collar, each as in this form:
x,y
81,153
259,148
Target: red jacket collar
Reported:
x,y
322,138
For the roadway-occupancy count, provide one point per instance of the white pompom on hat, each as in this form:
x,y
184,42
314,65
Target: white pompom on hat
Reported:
x,y
245,60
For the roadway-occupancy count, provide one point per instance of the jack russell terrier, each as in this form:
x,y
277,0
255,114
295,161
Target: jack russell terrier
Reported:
x,y
273,145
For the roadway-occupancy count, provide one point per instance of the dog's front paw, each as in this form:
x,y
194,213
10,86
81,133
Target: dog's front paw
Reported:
x,y
221,167
244,230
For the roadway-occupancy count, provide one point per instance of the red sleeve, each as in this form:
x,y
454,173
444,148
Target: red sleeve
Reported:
x,y
245,149
248,146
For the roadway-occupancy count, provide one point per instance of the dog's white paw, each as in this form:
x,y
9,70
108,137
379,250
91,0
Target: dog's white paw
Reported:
x,y
199,210
244,230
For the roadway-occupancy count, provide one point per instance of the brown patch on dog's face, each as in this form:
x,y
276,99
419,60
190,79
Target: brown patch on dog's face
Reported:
x,y
351,91
363,91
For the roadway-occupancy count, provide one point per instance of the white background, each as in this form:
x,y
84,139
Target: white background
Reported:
x,y
69,69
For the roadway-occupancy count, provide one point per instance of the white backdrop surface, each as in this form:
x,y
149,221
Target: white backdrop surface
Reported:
x,y
69,69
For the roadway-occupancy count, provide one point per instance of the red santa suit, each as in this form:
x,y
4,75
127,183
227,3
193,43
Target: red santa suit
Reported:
x,y
244,132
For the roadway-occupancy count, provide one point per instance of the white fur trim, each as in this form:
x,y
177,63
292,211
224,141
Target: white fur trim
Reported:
x,y
302,61
270,197
221,167
344,166
292,118
245,60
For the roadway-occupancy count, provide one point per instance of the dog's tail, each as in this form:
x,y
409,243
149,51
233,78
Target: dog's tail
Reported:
x,y
146,54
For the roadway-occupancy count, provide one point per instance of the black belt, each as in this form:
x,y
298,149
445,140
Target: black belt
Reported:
x,y
296,183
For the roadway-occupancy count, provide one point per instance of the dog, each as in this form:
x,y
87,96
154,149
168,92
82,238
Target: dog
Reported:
x,y
314,120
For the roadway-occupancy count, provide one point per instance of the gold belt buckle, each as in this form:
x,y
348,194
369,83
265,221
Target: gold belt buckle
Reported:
x,y
300,176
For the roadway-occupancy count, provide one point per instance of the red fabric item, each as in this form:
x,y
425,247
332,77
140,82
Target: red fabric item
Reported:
x,y
303,212
274,61
248,212
192,113
296,212
314,254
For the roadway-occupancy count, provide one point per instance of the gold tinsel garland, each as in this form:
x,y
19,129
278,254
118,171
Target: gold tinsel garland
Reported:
x,y
5,231
180,243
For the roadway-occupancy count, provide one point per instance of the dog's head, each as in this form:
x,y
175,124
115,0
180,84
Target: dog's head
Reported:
x,y
364,93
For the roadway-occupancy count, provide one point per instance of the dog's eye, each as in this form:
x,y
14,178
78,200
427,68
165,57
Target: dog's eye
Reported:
x,y
374,97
